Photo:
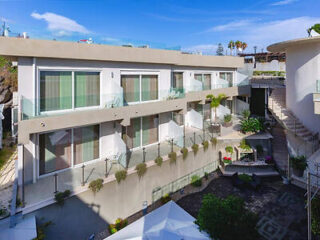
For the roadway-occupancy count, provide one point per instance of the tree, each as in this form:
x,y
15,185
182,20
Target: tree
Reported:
x,y
244,46
220,50
231,46
226,219
215,103
315,28
238,45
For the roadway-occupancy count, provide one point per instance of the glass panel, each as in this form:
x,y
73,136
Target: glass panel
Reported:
x,y
87,89
228,76
85,144
207,82
149,87
131,88
177,82
150,129
198,77
177,118
206,111
133,137
54,151
55,90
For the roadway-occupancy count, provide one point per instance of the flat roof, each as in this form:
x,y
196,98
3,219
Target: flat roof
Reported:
x,y
20,47
283,46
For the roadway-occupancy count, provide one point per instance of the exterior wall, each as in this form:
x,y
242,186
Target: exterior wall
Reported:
x,y
274,65
303,69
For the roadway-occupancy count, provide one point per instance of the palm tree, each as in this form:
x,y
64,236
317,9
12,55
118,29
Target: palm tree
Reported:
x,y
244,46
215,103
231,46
238,45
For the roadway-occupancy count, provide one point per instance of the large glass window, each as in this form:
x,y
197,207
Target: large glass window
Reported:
x,y
56,91
54,151
228,76
137,88
55,148
205,79
87,89
142,131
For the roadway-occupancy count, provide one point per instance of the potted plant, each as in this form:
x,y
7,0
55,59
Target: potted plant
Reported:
x,y
227,160
227,120
215,103
299,164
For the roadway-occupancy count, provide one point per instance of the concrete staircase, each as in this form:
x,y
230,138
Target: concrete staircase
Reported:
x,y
280,147
277,106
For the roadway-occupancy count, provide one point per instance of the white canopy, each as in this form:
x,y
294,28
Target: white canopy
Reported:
x,y
167,222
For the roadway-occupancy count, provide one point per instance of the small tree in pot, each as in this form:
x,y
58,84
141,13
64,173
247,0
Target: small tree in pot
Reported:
x,y
215,103
299,164
227,120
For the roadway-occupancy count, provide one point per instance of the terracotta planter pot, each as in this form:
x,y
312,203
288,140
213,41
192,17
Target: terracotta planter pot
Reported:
x,y
227,124
216,128
298,172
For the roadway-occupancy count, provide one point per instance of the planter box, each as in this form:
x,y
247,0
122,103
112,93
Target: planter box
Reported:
x,y
298,172
215,128
227,124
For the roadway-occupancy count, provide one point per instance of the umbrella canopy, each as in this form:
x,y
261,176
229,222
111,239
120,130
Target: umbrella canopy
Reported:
x,y
167,222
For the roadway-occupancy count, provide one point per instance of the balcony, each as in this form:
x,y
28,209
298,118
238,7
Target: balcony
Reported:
x,y
316,98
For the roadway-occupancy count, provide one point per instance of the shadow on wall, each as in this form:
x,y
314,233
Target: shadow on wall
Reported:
x,y
74,220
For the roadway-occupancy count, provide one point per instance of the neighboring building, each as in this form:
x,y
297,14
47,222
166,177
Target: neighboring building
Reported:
x,y
87,104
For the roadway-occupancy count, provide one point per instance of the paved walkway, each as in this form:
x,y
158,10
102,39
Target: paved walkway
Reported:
x,y
279,146
7,176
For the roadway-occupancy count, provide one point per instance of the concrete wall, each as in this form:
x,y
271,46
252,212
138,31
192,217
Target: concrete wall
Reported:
x,y
124,199
274,65
303,69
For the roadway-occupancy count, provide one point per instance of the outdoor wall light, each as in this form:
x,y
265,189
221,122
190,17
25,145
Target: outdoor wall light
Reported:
x,y
42,124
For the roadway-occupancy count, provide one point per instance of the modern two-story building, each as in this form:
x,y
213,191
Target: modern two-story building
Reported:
x,y
83,105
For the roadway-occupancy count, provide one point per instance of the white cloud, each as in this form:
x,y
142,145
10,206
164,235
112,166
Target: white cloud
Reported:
x,y
203,48
230,26
60,25
110,39
283,2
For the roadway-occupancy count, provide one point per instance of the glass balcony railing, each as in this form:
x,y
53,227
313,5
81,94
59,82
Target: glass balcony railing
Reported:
x,y
30,108
318,86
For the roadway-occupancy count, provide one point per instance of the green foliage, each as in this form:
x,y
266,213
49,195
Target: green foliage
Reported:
x,y
246,114
206,175
96,185
5,154
227,218
40,230
229,149
184,152
61,196
205,145
214,141
173,157
269,73
141,169
245,177
158,161
227,161
299,162
259,149
227,118
215,101
120,175
315,216
196,181
251,125
195,148
244,146
9,73
3,212
118,225
165,198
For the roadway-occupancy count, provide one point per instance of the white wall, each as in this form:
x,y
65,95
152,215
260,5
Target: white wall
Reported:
x,y
303,69
274,65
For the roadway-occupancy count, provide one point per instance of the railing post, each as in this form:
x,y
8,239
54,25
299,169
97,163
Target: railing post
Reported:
x,y
82,180
184,136
106,174
143,154
172,145
204,134
55,183
158,149
194,138
295,128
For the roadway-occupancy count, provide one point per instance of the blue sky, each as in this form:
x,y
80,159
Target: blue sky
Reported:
x,y
192,25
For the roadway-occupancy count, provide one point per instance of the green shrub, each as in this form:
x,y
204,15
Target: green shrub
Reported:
x,y
315,216
61,196
227,118
227,218
158,161
251,125
3,212
173,157
227,161
195,148
165,198
141,169
184,152
269,73
246,114
196,181
299,162
214,141
118,225
205,145
121,175
40,230
229,149
96,185
259,149
245,177
244,146
206,175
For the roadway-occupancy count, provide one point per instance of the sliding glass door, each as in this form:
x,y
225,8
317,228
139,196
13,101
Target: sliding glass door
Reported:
x,y
177,82
57,92
139,88
205,79
228,76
